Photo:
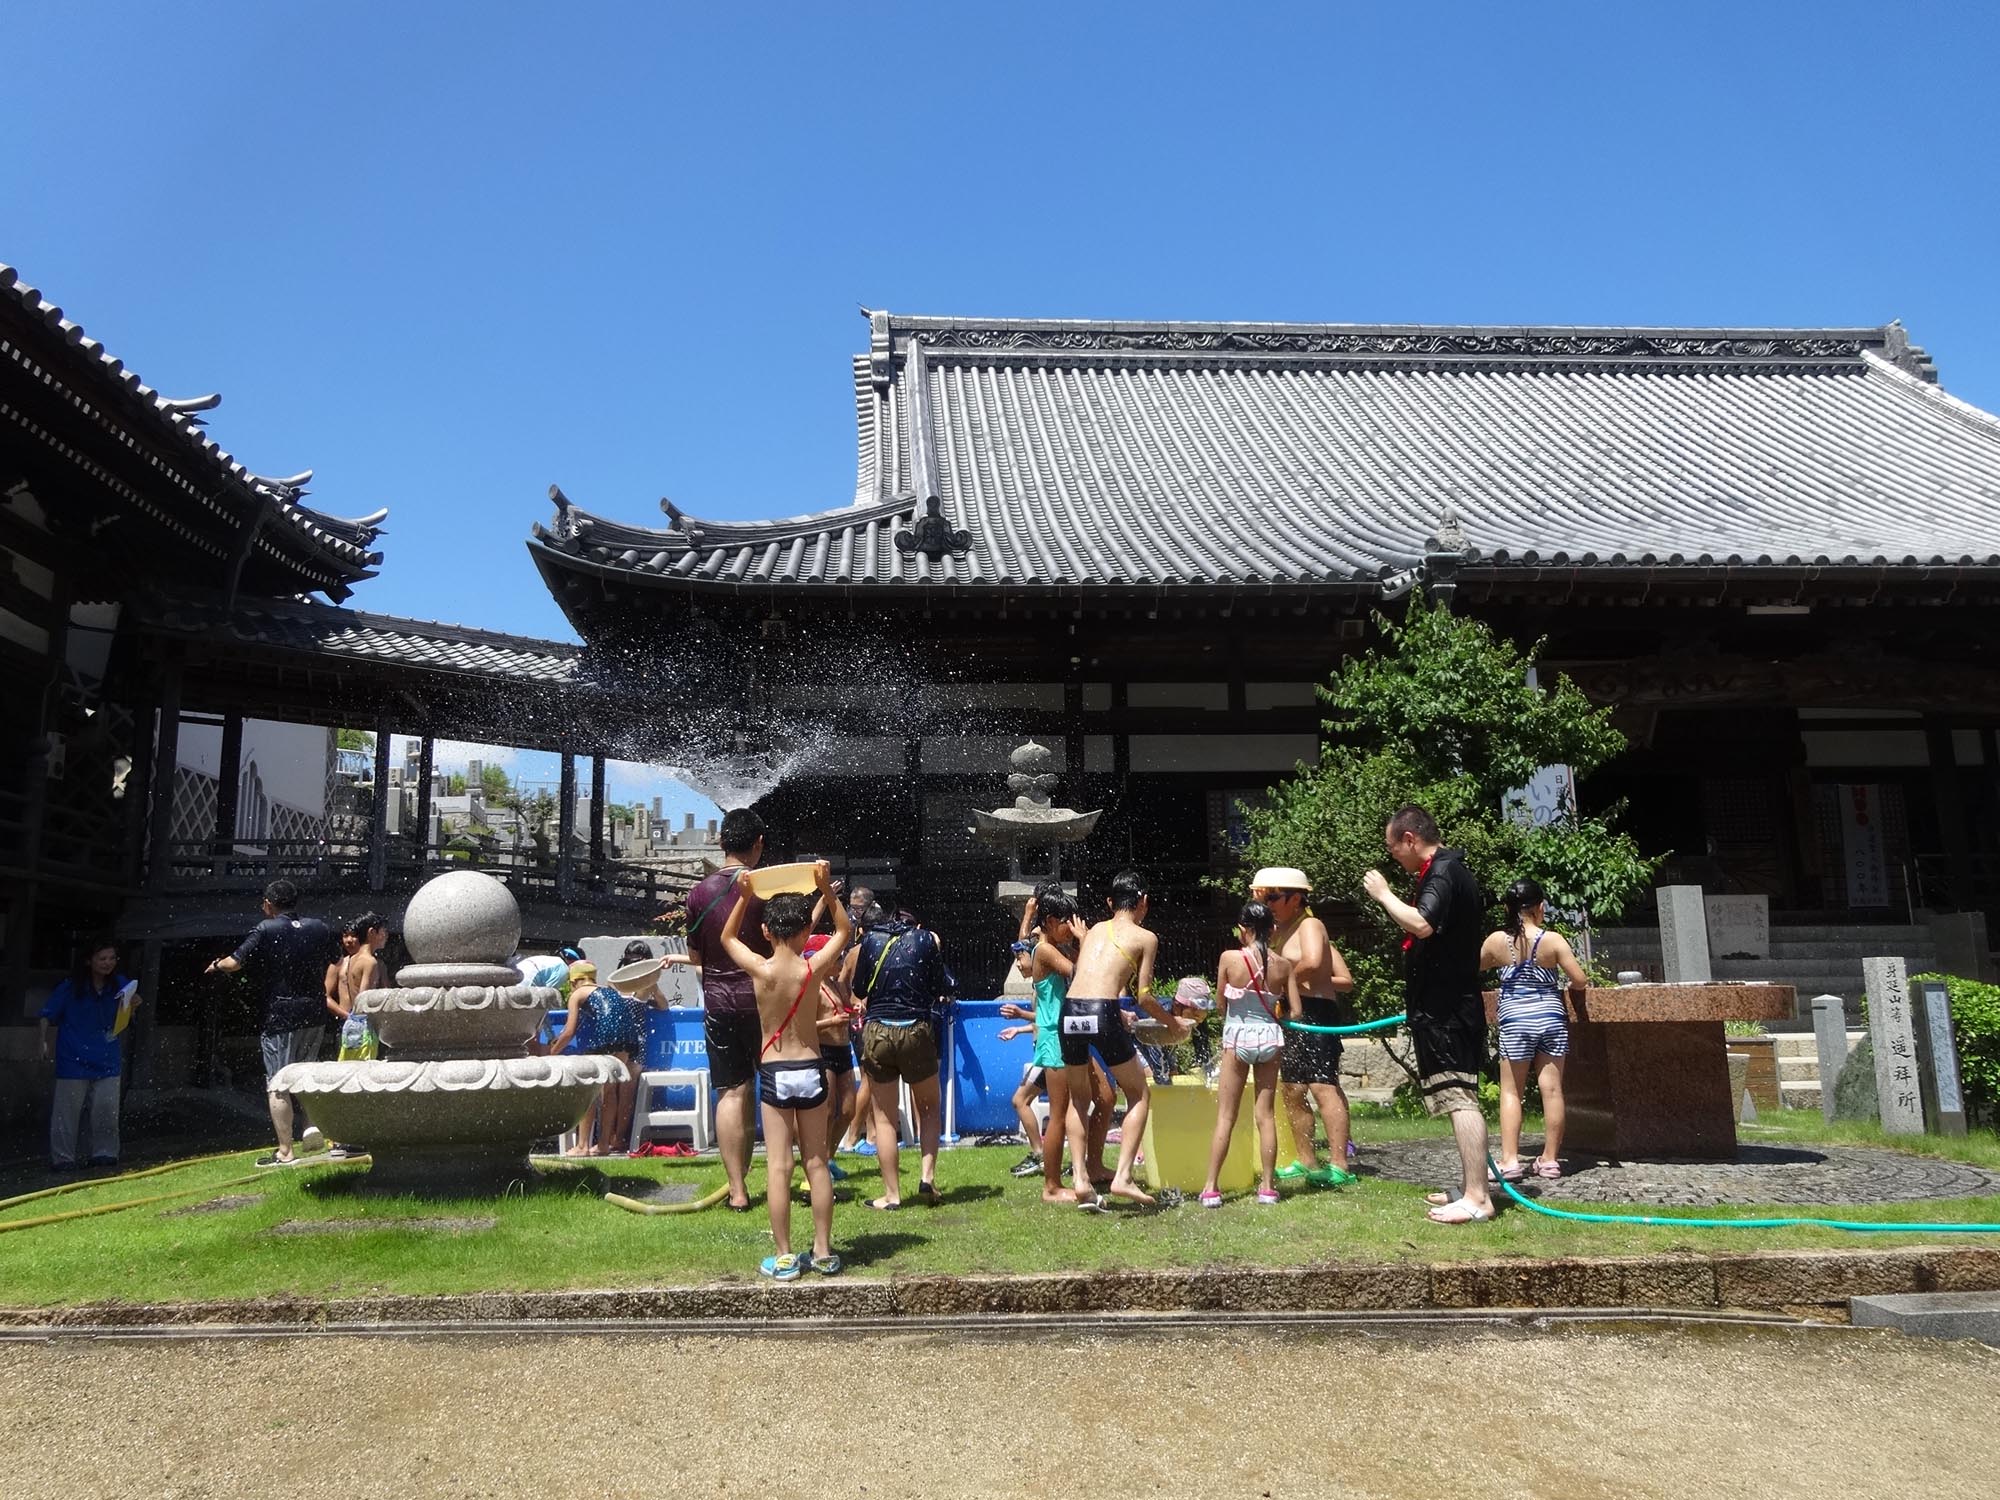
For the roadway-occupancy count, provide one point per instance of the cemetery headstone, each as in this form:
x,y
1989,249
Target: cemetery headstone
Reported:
x,y
1683,936
1939,1053
1898,1088
1739,926
1829,1013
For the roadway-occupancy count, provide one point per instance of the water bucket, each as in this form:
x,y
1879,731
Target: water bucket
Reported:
x,y
634,979
778,880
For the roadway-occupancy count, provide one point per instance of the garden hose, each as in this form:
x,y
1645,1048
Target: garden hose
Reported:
x,y
1382,1025
112,1208
1857,1226
90,1182
634,1206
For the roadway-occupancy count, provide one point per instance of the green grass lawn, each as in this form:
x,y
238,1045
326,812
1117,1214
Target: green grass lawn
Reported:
x,y
561,1234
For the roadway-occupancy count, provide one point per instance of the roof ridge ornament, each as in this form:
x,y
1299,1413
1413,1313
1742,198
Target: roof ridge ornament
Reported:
x,y
1444,552
933,536
881,349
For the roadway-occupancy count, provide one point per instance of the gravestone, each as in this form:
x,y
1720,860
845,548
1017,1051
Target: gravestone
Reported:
x,y
1854,1096
1683,936
1898,1088
1738,926
1829,1013
1939,1054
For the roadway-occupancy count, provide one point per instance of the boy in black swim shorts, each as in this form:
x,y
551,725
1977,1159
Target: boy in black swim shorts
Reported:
x,y
791,1074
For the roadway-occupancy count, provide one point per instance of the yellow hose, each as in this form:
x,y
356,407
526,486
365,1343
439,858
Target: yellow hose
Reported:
x,y
112,1208
91,1182
634,1206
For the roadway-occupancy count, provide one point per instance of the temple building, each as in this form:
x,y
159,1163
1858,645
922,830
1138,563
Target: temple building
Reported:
x,y
1145,545
1772,550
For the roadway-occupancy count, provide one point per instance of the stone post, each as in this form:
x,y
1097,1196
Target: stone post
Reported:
x,y
1684,936
1829,1015
1939,1053
1899,1092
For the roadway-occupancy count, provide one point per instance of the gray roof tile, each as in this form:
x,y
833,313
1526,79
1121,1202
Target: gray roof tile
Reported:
x,y
1163,456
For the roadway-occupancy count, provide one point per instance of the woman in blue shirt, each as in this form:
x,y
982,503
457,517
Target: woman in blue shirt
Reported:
x,y
90,1010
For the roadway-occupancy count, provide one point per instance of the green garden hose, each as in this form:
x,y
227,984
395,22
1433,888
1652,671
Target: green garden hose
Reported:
x,y
1382,1025
1857,1226
91,1182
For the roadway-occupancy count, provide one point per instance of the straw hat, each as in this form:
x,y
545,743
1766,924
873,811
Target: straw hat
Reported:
x,y
1280,878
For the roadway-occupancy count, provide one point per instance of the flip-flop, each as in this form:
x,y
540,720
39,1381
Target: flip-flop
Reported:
x,y
1439,1200
884,1206
1093,1205
1460,1212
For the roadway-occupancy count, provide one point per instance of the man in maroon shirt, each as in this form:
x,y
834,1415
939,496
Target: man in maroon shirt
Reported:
x,y
728,995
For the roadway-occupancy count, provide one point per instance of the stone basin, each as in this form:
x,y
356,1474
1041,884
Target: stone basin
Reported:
x,y
450,1122
467,1018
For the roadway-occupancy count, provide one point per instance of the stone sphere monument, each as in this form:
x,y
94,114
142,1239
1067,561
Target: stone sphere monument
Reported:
x,y
456,1106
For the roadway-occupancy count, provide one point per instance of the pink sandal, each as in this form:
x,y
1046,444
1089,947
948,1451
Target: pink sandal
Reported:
x,y
1267,1198
1549,1169
1211,1200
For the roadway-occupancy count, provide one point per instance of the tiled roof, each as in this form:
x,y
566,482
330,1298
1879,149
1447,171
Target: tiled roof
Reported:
x,y
325,630
198,473
1170,456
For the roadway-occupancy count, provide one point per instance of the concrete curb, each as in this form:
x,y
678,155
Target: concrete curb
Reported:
x,y
1799,1283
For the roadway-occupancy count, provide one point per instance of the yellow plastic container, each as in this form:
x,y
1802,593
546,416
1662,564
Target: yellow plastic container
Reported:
x,y
777,880
1179,1131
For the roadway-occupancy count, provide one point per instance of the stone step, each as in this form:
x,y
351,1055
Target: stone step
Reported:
x,y
1795,1046
1799,1093
1798,1069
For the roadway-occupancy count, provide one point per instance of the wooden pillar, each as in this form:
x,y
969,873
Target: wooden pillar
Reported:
x,y
228,783
425,773
1948,798
596,812
566,828
913,847
166,778
378,812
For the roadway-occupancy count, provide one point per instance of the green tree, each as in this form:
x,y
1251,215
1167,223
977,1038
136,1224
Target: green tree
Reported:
x,y
353,739
1443,715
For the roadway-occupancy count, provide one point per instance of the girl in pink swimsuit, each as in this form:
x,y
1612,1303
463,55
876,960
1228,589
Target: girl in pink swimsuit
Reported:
x,y
1260,990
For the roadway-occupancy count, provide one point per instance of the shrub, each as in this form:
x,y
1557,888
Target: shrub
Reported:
x,y
1975,1024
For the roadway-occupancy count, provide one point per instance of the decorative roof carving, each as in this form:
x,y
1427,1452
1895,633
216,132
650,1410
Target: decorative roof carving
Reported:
x,y
932,535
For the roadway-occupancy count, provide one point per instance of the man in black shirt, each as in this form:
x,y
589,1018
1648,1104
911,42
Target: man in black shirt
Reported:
x,y
1447,1013
289,956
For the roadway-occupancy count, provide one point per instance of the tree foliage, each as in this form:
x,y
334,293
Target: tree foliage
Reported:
x,y
1443,715
353,739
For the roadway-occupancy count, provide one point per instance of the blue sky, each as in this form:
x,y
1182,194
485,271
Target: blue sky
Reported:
x,y
447,254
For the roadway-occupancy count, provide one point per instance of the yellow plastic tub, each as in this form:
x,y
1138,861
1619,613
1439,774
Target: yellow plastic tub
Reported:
x,y
1181,1127
777,880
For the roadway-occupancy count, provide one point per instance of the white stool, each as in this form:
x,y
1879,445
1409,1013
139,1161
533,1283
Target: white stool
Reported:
x,y
696,1119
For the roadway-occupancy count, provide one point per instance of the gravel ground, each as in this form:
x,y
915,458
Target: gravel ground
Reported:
x,y
1577,1414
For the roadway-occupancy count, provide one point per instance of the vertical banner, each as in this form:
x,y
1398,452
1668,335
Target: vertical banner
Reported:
x,y
1861,842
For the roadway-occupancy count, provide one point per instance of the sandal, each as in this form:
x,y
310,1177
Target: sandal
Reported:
x,y
780,1267
1515,1173
1548,1169
1211,1200
929,1193
1267,1198
826,1265
1460,1212
885,1205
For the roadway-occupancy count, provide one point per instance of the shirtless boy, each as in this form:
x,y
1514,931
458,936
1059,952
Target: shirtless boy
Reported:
x,y
1116,959
1310,1064
791,1074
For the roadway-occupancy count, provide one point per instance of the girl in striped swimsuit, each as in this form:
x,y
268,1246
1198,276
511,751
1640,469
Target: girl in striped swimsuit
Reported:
x,y
1534,1023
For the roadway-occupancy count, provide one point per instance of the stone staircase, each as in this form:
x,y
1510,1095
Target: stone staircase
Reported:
x,y
1814,959
1797,1057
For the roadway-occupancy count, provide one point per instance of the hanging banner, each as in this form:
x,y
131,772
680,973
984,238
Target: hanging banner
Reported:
x,y
1861,840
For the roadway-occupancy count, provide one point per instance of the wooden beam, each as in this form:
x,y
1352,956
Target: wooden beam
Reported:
x,y
596,811
228,778
378,812
166,781
566,829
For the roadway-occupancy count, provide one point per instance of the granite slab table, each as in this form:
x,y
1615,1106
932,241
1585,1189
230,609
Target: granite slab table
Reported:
x,y
1648,1072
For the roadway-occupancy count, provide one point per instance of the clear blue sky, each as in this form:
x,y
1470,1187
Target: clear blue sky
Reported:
x,y
447,254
